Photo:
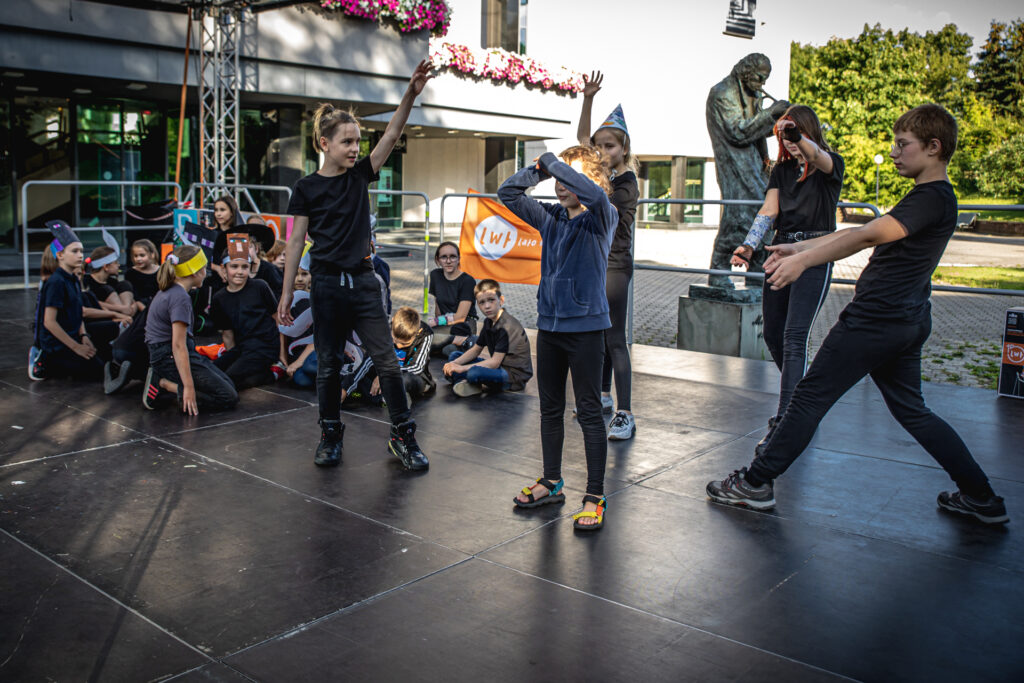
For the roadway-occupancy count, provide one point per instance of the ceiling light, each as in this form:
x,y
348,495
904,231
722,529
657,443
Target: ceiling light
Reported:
x,y
136,86
26,88
81,91
478,135
452,132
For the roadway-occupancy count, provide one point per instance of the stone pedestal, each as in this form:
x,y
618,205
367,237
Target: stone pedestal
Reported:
x,y
728,328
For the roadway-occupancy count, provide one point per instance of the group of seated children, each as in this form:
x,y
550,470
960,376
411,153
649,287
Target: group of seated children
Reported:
x,y
96,327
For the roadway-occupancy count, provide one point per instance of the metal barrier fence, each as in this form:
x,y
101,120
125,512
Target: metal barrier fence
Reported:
x,y
238,187
25,230
426,237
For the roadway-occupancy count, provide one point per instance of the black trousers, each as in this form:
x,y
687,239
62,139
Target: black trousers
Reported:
x,y
581,354
102,333
890,352
214,390
340,304
248,366
789,314
616,353
131,345
64,362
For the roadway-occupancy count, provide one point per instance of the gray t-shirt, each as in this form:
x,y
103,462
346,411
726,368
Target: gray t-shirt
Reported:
x,y
170,306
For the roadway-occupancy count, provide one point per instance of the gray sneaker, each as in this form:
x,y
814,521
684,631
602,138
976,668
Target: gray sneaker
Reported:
x,y
991,511
622,427
463,388
734,490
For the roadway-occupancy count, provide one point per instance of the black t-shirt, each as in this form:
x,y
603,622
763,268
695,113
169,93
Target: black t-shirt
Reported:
x,y
896,284
449,293
61,291
145,286
103,290
248,312
506,335
625,193
272,276
338,208
809,205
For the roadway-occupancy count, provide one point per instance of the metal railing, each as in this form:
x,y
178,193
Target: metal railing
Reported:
x,y
25,230
242,188
426,237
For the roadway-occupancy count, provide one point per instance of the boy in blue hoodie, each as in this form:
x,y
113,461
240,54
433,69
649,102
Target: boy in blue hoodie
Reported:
x,y
572,314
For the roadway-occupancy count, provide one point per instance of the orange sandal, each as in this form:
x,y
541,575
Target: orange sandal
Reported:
x,y
602,504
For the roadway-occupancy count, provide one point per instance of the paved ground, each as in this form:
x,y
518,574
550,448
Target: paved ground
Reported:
x,y
138,545
966,335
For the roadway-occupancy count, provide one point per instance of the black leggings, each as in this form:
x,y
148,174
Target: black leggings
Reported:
x,y
247,367
889,351
342,303
558,354
616,353
789,314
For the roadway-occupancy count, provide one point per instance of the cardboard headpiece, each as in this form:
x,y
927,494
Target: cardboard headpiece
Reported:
x,y
63,236
109,240
304,259
615,120
200,236
238,248
260,234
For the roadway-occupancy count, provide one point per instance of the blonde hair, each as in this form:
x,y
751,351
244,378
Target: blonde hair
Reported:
x,y
326,120
166,277
592,162
405,324
487,285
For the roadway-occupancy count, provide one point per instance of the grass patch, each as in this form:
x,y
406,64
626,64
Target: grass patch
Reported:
x,y
986,371
980,276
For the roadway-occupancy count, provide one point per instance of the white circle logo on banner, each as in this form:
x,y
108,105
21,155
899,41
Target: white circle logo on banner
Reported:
x,y
493,237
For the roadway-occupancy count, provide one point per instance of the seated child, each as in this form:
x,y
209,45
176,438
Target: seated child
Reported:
x,y
508,366
261,238
412,339
245,312
112,294
276,255
65,349
174,364
297,350
142,274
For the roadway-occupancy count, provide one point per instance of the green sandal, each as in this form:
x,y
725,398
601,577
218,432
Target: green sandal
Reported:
x,y
555,494
602,504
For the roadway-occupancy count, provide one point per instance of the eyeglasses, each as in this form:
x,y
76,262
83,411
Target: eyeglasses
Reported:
x,y
448,257
899,145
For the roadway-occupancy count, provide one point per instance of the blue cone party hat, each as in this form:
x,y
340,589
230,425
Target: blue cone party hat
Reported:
x,y
615,120
63,236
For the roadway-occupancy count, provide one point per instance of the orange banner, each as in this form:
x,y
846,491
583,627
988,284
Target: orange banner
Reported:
x,y
497,244
1013,354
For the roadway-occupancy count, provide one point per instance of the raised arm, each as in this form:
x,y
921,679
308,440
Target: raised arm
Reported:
x,y
815,155
512,194
383,148
590,193
593,85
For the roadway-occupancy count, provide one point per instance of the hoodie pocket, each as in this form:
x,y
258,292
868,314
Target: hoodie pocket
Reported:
x,y
562,298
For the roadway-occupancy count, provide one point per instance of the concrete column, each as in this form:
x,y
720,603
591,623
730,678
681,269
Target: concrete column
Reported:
x,y
678,190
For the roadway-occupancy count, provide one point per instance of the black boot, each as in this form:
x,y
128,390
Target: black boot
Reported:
x,y
403,446
328,453
763,443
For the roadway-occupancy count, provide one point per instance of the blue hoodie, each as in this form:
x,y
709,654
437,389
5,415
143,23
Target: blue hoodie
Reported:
x,y
574,256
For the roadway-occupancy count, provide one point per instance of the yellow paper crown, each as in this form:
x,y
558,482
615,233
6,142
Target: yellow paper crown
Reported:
x,y
190,267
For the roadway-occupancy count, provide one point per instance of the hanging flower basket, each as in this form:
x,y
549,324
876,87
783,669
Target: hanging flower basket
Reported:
x,y
409,15
503,66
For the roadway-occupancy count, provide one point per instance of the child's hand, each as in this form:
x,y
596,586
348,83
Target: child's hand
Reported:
x,y
122,319
447,369
593,83
188,401
432,321
741,256
777,252
293,368
375,387
420,77
284,309
85,349
785,271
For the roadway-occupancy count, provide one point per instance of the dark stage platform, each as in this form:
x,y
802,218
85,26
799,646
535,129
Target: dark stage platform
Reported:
x,y
142,546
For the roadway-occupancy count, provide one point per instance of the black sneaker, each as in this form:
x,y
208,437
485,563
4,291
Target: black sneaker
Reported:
x,y
328,453
773,422
404,447
734,490
151,390
992,511
115,376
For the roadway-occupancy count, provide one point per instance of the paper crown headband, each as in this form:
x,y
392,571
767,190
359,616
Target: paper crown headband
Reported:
x,y
615,120
109,240
238,248
190,267
200,236
63,236
304,260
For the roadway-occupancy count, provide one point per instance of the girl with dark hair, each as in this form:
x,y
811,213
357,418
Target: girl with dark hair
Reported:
x,y
454,319
333,206
803,191
226,219
612,139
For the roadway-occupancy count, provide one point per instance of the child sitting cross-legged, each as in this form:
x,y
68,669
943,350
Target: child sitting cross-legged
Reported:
x,y
412,338
245,312
508,365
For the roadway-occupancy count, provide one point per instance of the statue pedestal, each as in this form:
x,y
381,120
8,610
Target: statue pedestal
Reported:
x,y
726,322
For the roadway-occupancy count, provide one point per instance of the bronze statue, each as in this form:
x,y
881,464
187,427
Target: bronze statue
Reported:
x,y
738,127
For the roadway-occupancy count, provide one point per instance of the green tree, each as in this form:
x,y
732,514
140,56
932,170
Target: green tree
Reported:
x,y
1000,67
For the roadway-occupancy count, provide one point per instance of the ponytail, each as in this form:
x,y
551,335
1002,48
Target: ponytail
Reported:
x,y
166,277
326,120
48,264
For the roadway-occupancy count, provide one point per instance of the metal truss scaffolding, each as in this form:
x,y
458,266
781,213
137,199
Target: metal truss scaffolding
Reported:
x,y
220,30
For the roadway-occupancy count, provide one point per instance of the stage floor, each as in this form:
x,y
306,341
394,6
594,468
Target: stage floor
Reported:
x,y
144,545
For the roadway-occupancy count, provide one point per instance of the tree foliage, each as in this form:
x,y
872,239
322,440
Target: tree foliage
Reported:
x,y
859,87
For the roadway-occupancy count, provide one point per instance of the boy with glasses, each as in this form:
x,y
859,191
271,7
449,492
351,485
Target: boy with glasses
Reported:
x,y
881,332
